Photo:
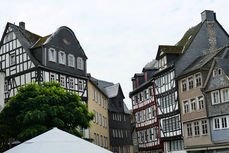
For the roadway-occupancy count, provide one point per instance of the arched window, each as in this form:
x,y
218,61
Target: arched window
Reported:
x,y
71,60
52,55
80,63
62,57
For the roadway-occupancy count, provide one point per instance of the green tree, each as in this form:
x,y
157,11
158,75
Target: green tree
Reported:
x,y
39,107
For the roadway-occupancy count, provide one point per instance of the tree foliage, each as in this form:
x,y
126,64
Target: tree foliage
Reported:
x,y
39,107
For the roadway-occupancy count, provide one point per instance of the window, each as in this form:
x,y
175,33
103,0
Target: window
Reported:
x,y
215,97
95,138
198,80
214,73
12,59
184,85
140,96
97,117
80,85
101,140
80,63
94,118
99,99
219,71
196,128
225,95
189,129
71,83
100,118
98,140
193,104
52,55
113,133
186,106
62,81
71,60
224,122
216,122
204,127
62,57
201,102
150,92
52,77
190,82
145,94
93,93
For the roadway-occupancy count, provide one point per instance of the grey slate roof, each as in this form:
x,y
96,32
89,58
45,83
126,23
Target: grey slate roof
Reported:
x,y
151,65
224,64
200,62
112,91
126,110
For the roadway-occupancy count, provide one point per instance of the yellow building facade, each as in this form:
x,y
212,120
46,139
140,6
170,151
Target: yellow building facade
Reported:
x,y
98,104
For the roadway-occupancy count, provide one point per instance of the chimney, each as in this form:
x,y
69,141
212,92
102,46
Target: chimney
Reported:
x,y
209,18
22,25
208,15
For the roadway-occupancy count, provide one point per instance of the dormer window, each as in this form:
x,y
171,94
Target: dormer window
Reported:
x,y
162,63
71,60
80,63
62,57
217,72
52,55
12,59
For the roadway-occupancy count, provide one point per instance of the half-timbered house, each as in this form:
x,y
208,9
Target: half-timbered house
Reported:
x,y
27,57
167,98
145,110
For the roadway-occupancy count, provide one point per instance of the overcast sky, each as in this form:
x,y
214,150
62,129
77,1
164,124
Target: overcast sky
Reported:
x,y
118,36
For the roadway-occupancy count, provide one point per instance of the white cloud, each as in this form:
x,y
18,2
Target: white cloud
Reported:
x,y
118,36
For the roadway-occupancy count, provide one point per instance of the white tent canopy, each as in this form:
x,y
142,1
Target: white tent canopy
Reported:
x,y
57,141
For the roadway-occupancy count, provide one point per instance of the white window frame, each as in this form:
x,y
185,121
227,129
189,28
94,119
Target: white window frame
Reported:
x,y
198,77
54,78
184,83
196,128
186,107
80,85
200,102
52,55
71,57
212,97
80,63
63,82
218,124
204,127
71,81
62,60
222,96
192,80
193,104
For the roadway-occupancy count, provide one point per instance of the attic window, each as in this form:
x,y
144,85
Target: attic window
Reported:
x,y
62,57
52,55
71,60
80,63
217,72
